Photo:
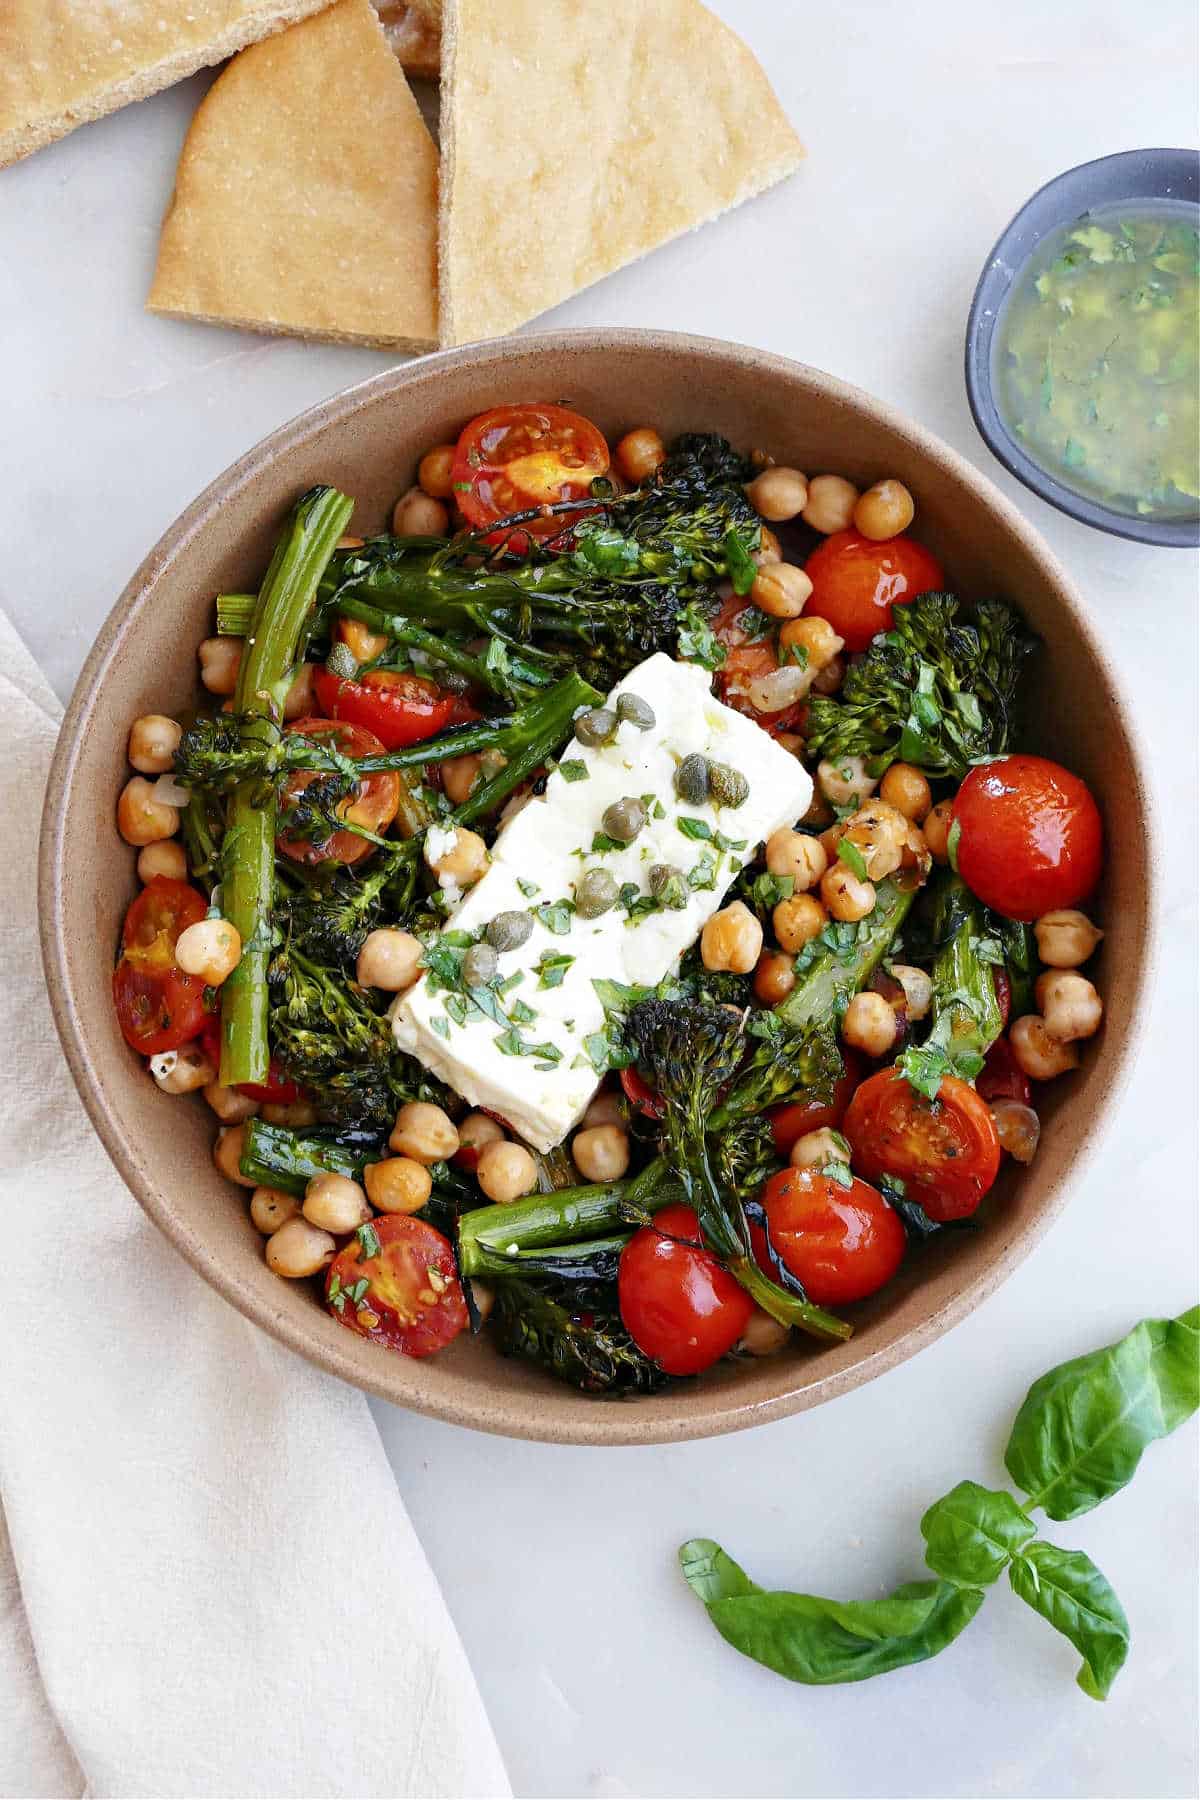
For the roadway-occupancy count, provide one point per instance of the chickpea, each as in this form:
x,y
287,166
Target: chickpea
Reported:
x,y
845,782
884,511
915,854
464,861
781,590
796,854
819,813
272,1207
778,493
363,644
190,1071
424,1132
797,920
435,472
829,679
220,660
732,939
869,1025
879,833
640,453
298,1249
506,1171
398,1184
459,776
774,977
141,819
484,1298
153,741
770,550
227,1154
936,830
170,859
335,1204
918,989
1065,938
831,503
601,1152
762,1335
417,514
816,1148
847,898
907,790
297,1115
1037,1054
230,1107
831,837
389,959
608,1108
301,701
210,949
1018,1128
816,637
478,1129
1070,1005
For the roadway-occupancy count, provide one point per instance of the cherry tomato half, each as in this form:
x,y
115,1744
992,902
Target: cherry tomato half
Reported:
x,y
640,1094
842,1243
516,457
1029,836
1001,1078
399,708
748,660
857,582
158,1006
946,1151
375,804
792,1121
679,1305
413,1300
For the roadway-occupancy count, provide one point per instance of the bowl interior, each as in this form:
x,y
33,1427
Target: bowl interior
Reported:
x,y
1132,175
367,442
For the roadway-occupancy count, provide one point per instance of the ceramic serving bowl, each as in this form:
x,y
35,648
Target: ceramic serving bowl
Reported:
x,y
367,441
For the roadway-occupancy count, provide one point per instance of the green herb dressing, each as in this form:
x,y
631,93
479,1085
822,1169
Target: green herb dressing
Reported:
x,y
1095,369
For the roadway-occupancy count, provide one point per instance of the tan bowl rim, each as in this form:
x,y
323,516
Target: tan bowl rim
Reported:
x,y
600,1424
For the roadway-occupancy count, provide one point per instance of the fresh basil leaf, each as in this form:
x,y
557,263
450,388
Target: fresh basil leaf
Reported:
x,y
555,917
817,1641
972,1532
697,641
852,856
693,828
574,769
1081,1430
741,565
1069,1591
923,1066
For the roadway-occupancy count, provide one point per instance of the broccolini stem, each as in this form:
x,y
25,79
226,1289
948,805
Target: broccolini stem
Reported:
x,y
789,1309
836,974
966,1013
563,1216
248,853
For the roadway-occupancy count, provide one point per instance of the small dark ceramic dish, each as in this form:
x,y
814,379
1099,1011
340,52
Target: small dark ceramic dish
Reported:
x,y
1133,175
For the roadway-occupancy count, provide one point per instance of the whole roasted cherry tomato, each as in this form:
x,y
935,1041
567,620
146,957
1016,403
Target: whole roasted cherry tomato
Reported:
x,y
374,805
679,1305
516,457
748,659
399,708
945,1151
1001,1078
792,1121
842,1243
857,582
1029,837
158,1006
413,1300
276,1090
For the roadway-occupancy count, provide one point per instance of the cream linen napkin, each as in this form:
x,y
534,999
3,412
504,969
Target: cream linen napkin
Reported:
x,y
208,1582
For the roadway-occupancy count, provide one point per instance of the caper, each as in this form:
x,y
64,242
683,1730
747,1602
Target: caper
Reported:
x,y
668,886
691,779
479,965
508,931
595,726
624,819
633,710
595,893
728,786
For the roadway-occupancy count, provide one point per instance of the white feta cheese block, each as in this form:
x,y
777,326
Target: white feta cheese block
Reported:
x,y
538,1071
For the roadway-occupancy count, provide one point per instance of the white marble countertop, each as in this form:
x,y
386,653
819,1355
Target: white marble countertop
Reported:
x,y
926,128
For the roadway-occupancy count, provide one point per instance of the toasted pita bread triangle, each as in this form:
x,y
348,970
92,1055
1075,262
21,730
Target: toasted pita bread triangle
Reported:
x,y
306,194
579,134
62,63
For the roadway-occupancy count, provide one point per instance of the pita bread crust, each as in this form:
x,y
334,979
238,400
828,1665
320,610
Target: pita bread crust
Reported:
x,y
651,116
64,62
306,194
